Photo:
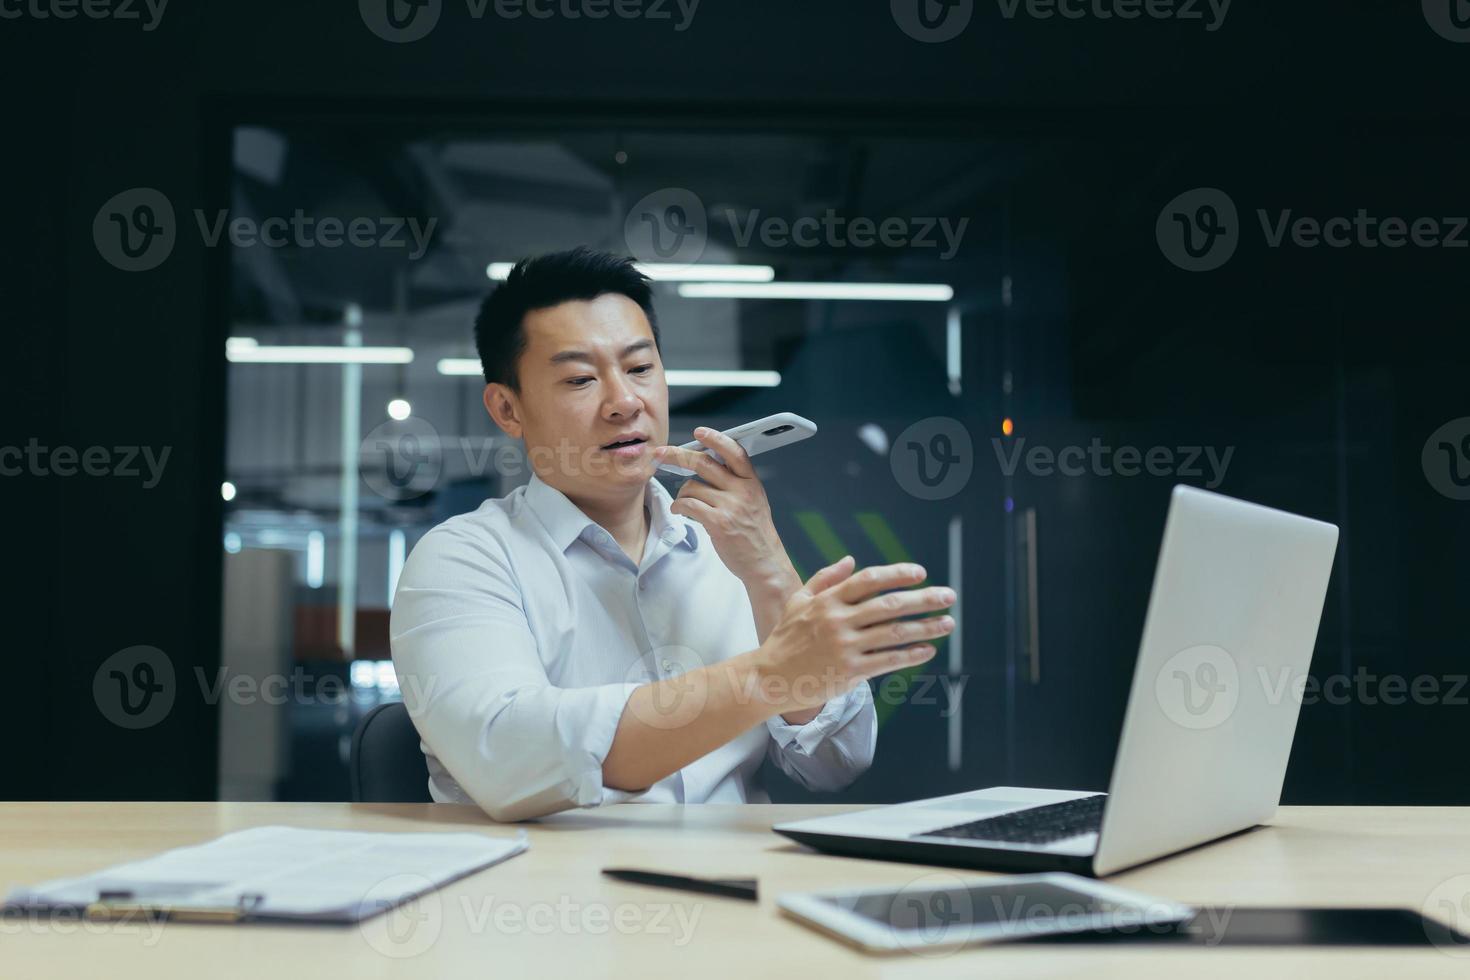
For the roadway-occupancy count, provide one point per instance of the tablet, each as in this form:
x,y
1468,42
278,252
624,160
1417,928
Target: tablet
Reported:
x,y
941,912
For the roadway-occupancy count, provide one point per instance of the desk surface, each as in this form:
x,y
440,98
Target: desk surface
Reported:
x,y
544,910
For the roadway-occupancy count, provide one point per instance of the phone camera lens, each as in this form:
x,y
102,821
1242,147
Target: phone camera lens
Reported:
x,y
778,430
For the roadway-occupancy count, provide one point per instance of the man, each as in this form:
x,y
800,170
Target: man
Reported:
x,y
585,639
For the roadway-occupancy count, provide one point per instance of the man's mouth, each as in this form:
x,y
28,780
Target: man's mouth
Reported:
x,y
625,443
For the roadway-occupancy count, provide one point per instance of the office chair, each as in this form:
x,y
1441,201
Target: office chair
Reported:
x,y
386,765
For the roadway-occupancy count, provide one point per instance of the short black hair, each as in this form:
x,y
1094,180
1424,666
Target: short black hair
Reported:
x,y
544,281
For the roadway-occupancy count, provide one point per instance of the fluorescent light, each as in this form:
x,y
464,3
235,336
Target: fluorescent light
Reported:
x,y
254,353
723,379
227,490
316,558
458,365
912,291
468,366
397,551
673,272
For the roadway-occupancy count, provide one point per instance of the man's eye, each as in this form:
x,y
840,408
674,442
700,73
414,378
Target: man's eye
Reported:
x,y
579,382
643,369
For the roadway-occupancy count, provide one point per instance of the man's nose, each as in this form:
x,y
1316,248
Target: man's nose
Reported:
x,y
621,400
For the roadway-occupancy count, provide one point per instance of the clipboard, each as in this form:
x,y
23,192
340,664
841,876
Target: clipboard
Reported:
x,y
273,874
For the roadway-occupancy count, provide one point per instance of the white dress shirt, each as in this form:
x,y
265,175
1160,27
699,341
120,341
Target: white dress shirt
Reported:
x,y
520,630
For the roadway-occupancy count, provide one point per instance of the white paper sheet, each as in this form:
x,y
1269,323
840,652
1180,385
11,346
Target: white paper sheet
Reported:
x,y
324,874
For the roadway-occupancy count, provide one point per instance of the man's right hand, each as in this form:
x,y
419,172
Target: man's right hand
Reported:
x,y
842,628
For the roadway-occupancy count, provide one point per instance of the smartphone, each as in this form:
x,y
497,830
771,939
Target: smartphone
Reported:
x,y
760,436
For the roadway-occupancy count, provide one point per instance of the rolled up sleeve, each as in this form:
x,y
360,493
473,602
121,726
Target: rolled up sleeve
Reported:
x,y
477,691
834,748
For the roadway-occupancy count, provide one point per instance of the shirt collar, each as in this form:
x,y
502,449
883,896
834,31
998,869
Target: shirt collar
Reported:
x,y
565,522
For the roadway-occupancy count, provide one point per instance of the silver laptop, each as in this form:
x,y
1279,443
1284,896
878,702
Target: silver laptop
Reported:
x,y
1232,620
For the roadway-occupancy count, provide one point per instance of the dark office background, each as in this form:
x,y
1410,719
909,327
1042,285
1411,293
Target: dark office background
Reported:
x,y
1326,369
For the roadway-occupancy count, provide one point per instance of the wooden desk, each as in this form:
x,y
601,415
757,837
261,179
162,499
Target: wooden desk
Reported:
x,y
537,915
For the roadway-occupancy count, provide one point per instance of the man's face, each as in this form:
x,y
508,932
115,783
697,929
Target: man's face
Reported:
x,y
593,402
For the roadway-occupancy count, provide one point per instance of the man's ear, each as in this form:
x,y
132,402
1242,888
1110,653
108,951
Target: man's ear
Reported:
x,y
504,408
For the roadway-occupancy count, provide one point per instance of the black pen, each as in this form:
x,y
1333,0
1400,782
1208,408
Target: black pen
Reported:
x,y
742,888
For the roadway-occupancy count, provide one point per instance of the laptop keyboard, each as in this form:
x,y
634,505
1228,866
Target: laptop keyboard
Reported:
x,y
1034,825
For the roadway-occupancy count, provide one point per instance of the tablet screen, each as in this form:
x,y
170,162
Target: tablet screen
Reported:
x,y
1000,905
